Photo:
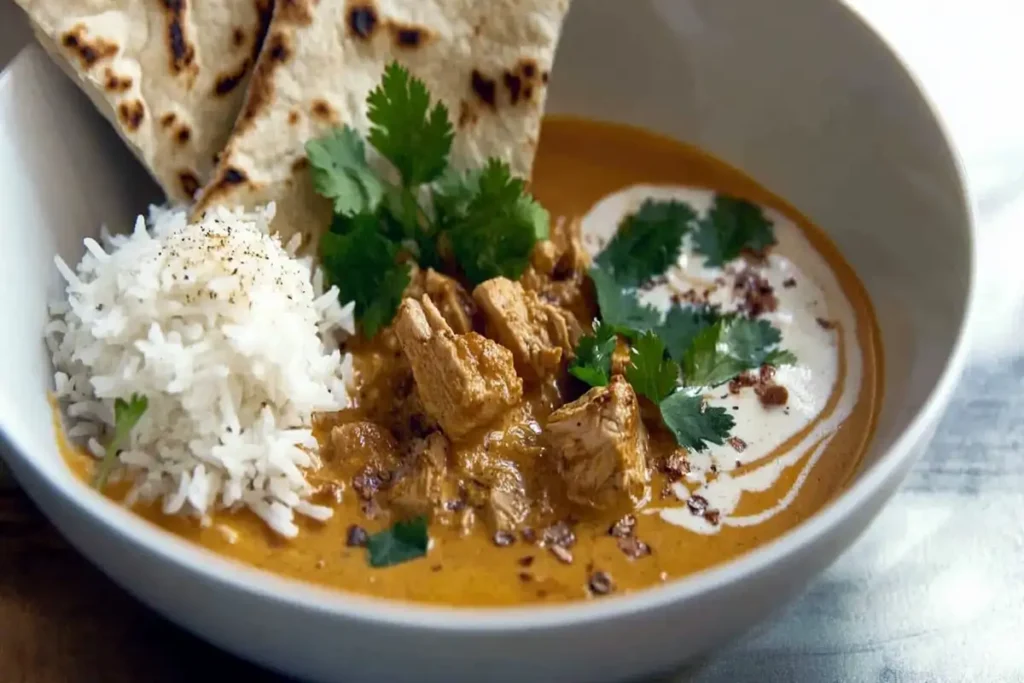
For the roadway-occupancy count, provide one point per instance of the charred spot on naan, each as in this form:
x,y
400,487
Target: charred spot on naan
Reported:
x,y
279,48
486,89
183,134
181,50
409,36
87,50
238,37
264,12
293,117
228,81
323,111
131,113
167,120
295,11
361,19
189,183
300,165
114,83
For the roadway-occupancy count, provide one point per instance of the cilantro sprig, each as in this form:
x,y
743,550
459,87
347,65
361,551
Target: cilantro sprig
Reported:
x,y
403,541
731,226
126,415
647,242
676,355
484,218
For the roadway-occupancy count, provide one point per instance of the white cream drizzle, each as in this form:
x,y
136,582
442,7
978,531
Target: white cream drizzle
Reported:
x,y
810,382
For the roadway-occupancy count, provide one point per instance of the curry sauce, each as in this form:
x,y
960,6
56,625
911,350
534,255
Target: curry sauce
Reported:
x,y
578,163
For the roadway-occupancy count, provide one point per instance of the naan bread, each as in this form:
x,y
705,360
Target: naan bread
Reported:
x,y
169,74
487,60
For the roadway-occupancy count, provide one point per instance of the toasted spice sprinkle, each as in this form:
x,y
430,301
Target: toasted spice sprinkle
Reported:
x,y
559,535
356,536
697,504
675,466
436,568
561,554
526,561
624,527
789,282
504,538
738,444
826,324
600,583
525,577
741,381
713,516
633,547
772,395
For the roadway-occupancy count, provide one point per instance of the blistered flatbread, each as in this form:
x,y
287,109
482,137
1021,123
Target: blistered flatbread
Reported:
x,y
487,60
169,74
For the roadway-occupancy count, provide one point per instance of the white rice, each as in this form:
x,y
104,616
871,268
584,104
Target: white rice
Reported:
x,y
231,340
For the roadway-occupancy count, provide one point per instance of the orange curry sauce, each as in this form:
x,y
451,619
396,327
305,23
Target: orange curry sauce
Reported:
x,y
578,163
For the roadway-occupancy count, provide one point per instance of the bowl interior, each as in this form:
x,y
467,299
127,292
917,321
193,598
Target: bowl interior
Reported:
x,y
827,121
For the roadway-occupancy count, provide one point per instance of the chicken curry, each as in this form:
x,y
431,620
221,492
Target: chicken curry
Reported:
x,y
530,446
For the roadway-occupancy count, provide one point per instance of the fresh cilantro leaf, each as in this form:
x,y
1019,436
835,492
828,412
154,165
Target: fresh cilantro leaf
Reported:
x,y
404,541
362,263
452,194
731,226
650,372
620,308
693,423
779,358
729,347
705,363
647,242
337,165
753,342
126,415
406,130
682,325
593,361
500,225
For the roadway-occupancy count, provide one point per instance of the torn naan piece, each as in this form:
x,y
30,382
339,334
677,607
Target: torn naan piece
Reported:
x,y
488,62
170,75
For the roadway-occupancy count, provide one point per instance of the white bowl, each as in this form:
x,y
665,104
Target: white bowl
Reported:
x,y
800,94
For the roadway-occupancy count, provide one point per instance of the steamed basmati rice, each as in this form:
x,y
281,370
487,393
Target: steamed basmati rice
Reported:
x,y
231,340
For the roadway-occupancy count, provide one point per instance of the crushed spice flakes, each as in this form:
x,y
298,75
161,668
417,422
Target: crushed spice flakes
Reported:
x,y
633,548
624,527
600,583
356,536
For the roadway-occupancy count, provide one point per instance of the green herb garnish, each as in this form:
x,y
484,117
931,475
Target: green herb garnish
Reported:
x,y
647,242
690,346
620,307
650,372
402,542
731,226
337,164
126,416
363,261
484,217
694,423
731,346
500,224
415,137
593,361
681,326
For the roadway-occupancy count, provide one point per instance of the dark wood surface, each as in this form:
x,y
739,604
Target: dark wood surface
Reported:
x,y
63,621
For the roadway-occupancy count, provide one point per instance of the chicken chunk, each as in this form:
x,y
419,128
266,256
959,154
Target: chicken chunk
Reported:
x,y
601,445
371,451
539,334
496,490
558,270
451,299
463,380
424,486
